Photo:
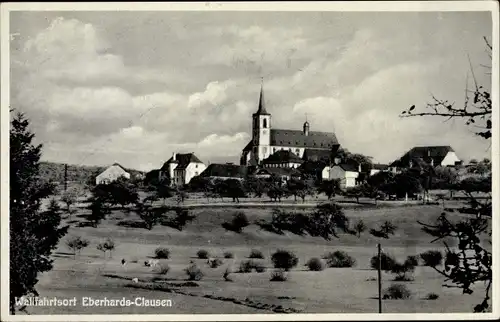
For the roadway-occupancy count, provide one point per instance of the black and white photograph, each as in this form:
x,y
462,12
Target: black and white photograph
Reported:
x,y
223,161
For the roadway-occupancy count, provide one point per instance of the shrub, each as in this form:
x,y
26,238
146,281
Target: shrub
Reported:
x,y
202,253
284,259
397,292
432,258
226,275
339,259
256,254
239,221
278,276
315,264
386,261
162,269
411,261
250,265
215,263
162,252
193,272
246,266
431,296
228,255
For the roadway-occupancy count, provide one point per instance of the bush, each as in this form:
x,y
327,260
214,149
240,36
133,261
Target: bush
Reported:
x,y
284,259
256,254
239,221
278,276
397,292
246,266
203,254
162,252
387,262
411,261
162,269
228,255
215,263
193,272
432,258
339,259
431,296
315,264
250,265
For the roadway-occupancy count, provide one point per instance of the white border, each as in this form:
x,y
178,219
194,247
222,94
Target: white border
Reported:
x,y
359,6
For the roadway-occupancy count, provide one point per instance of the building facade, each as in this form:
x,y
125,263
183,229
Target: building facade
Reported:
x,y
181,168
267,140
111,174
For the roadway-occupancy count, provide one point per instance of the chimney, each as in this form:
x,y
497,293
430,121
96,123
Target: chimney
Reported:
x,y
359,167
174,156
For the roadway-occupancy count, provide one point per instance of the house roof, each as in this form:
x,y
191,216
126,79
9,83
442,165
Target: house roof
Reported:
x,y
424,153
248,147
183,160
278,171
378,166
119,165
297,138
311,166
348,167
318,154
282,156
225,170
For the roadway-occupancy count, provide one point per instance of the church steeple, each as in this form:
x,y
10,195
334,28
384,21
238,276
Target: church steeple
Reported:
x,y
262,104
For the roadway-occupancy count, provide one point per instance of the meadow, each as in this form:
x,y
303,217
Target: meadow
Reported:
x,y
332,290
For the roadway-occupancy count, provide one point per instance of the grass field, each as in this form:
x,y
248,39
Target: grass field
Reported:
x,y
346,290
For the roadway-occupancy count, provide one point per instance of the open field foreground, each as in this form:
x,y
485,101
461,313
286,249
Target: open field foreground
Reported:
x,y
343,290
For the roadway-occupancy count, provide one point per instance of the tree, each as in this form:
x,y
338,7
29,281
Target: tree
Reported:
x,y
233,188
299,188
33,234
69,198
76,244
256,186
359,227
151,216
330,188
181,195
98,211
108,245
471,263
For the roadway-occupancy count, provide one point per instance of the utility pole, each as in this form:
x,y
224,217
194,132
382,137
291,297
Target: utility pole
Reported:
x,y
379,268
65,176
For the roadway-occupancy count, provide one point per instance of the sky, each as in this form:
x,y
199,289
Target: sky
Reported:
x,y
134,87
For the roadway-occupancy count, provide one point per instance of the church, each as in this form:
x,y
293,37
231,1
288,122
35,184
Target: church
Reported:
x,y
267,142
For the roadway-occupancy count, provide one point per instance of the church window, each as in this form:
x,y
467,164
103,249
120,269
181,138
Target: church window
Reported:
x,y
264,150
274,150
264,124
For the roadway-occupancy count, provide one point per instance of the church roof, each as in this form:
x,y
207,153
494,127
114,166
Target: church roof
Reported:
x,y
262,104
248,147
282,156
182,160
225,170
424,153
297,138
319,154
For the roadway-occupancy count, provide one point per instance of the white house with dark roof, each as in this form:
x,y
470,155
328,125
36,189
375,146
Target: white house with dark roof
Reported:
x,y
346,173
267,141
112,173
431,155
181,168
282,159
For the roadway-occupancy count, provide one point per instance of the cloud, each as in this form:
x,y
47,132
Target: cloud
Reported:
x,y
106,87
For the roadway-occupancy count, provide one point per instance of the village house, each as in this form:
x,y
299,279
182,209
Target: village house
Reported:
x,y
284,174
432,155
225,171
346,173
376,168
112,173
282,159
181,168
266,140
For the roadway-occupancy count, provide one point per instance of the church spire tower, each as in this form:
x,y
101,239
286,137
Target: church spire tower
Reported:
x,y
261,131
